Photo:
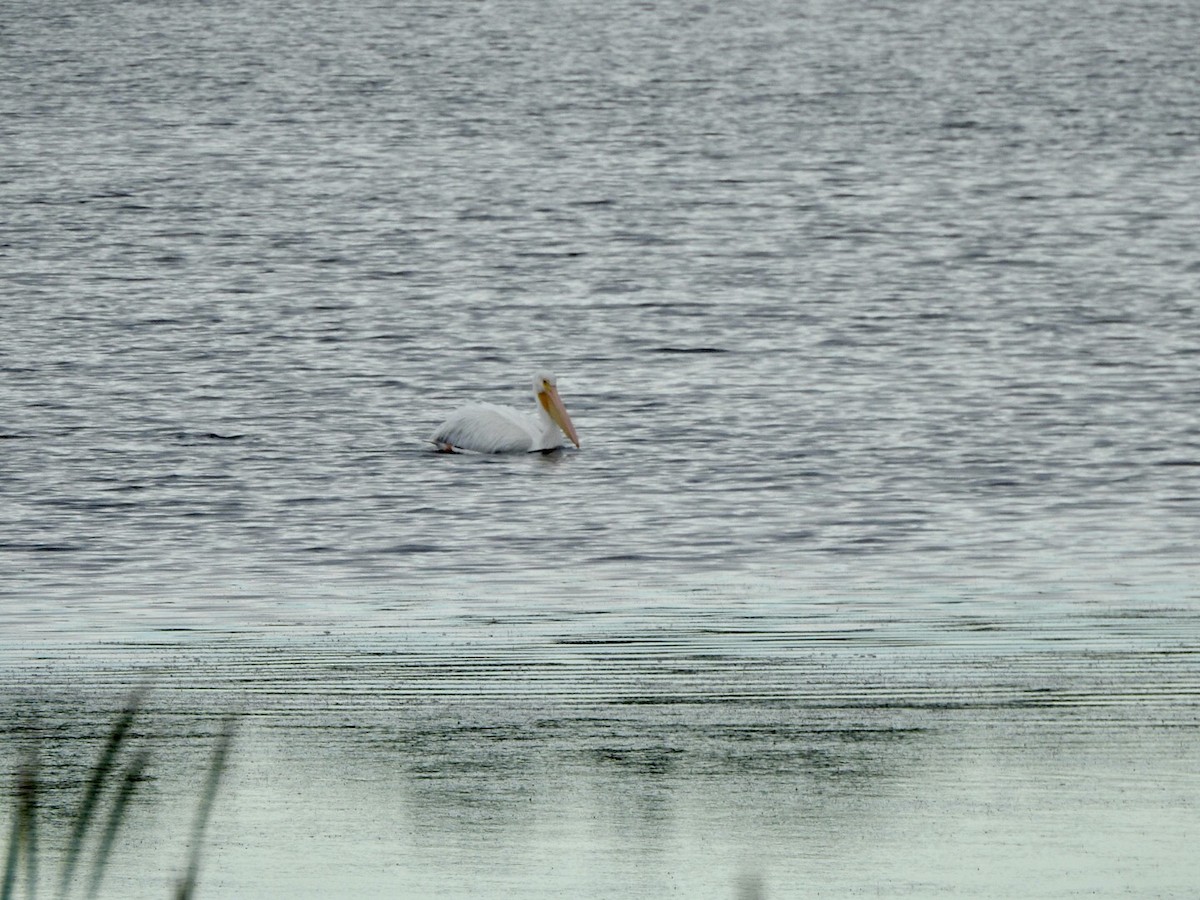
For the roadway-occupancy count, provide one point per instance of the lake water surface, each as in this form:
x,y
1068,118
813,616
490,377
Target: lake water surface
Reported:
x,y
876,574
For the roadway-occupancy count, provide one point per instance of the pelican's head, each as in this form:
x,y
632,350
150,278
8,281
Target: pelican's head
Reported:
x,y
545,389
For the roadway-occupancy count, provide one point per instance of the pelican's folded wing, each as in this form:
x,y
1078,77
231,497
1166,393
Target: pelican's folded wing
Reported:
x,y
486,428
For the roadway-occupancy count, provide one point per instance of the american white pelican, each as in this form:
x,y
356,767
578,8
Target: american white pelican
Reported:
x,y
487,428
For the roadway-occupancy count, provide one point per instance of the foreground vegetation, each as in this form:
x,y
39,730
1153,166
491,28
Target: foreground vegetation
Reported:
x,y
96,822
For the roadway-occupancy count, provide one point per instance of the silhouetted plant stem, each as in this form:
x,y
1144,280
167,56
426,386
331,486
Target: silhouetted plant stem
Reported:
x,y
129,783
12,858
28,791
187,884
23,839
99,775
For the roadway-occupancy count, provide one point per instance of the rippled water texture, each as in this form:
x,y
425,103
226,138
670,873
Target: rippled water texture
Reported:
x,y
876,571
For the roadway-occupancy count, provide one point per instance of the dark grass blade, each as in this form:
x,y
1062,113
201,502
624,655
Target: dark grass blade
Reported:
x,y
187,884
129,783
24,834
13,857
28,790
100,774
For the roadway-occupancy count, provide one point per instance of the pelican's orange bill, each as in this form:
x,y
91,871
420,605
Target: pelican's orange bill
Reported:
x,y
552,403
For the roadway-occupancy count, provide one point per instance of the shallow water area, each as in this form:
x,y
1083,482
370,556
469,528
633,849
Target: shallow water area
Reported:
x,y
875,574
725,742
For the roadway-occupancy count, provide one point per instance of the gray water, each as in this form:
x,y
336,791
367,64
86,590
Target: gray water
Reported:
x,y
876,571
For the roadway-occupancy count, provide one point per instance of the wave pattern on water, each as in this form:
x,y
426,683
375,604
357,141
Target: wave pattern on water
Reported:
x,y
877,568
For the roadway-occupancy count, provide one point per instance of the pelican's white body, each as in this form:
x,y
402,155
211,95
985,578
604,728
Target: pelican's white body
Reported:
x,y
488,428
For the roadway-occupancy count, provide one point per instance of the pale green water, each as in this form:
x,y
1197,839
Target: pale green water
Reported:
x,y
881,744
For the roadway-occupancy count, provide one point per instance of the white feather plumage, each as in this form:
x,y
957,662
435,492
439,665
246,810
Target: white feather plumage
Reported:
x,y
488,428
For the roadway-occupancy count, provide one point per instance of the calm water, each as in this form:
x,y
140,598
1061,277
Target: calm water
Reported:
x,y
877,570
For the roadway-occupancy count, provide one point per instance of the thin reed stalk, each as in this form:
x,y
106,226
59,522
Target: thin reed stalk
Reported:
x,y
187,884
22,850
22,840
16,836
129,783
91,796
